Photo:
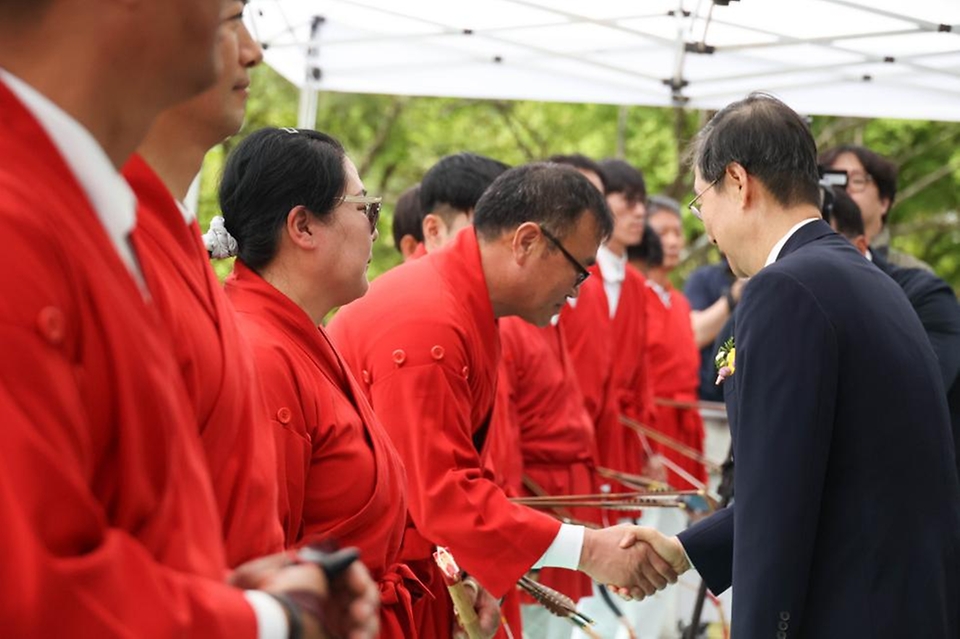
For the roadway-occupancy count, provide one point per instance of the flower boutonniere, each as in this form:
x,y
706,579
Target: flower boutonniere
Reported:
x,y
725,361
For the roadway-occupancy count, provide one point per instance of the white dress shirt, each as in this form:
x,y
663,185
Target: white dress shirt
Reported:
x,y
613,269
775,251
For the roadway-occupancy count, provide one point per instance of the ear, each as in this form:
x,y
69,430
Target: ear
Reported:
x,y
408,244
299,227
434,230
747,187
885,203
525,239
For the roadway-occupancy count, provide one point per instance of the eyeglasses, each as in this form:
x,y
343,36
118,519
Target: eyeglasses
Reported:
x,y
857,182
693,203
371,207
582,272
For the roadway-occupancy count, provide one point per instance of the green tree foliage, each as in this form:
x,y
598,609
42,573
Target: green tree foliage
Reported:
x,y
394,140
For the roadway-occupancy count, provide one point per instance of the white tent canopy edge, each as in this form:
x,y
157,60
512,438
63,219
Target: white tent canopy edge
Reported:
x,y
862,58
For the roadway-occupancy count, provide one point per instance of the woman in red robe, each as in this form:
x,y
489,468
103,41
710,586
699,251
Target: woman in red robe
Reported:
x,y
305,228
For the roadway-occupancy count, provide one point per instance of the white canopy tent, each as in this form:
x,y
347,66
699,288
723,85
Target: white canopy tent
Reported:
x,y
869,58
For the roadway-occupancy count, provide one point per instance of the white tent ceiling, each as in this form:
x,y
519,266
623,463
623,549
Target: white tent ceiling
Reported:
x,y
870,58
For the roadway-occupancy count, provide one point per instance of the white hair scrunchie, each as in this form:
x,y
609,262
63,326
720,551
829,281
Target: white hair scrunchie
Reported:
x,y
219,243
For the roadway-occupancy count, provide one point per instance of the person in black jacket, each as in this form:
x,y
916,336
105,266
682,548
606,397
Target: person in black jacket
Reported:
x,y
847,503
931,297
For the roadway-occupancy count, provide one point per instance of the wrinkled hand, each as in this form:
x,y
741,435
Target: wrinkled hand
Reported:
x,y
487,608
631,567
662,549
349,607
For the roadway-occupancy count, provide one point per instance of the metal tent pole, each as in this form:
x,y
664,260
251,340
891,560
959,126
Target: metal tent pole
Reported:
x,y
309,94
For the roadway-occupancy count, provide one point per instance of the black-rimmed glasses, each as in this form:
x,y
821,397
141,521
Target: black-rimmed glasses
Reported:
x,y
582,272
694,208
371,207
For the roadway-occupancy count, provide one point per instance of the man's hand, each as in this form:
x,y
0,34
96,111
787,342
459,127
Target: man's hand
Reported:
x,y
634,568
487,608
666,549
348,607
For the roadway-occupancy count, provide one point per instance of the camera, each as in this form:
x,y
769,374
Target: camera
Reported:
x,y
829,178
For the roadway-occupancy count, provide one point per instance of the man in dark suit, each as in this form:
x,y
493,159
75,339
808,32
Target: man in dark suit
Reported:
x,y
931,297
834,399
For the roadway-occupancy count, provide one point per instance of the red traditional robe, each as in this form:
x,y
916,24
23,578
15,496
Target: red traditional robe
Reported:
x,y
556,434
587,331
424,341
109,523
609,356
341,479
501,457
216,366
675,364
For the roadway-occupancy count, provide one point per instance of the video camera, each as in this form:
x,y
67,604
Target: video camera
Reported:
x,y
830,178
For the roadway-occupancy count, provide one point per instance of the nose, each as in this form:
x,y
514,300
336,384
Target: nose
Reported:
x,y
251,53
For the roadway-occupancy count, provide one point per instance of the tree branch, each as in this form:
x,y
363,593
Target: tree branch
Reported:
x,y
925,181
383,135
506,112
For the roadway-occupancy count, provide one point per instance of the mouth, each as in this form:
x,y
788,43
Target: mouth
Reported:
x,y
242,86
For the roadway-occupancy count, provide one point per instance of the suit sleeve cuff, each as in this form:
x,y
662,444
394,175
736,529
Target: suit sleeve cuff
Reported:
x,y
686,555
271,619
564,551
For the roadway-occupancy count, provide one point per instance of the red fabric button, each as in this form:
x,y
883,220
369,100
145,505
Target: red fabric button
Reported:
x,y
399,357
365,374
466,372
52,324
437,352
283,415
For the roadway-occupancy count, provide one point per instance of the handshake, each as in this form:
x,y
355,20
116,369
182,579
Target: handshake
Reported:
x,y
634,561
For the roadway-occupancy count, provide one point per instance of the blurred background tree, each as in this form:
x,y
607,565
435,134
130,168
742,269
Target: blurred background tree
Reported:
x,y
394,140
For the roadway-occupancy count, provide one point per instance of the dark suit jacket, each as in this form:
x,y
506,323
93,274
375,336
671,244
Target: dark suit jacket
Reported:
x,y
939,312
847,504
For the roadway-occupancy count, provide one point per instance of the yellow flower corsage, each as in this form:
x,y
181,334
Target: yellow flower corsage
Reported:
x,y
725,361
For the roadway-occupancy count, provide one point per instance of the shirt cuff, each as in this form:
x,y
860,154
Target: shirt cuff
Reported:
x,y
271,618
564,551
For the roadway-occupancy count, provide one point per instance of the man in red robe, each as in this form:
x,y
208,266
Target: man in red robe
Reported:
x,y
605,329
674,357
450,192
556,440
110,523
425,343
213,358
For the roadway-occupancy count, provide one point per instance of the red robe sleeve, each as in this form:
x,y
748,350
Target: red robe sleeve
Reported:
x,y
425,407
70,573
